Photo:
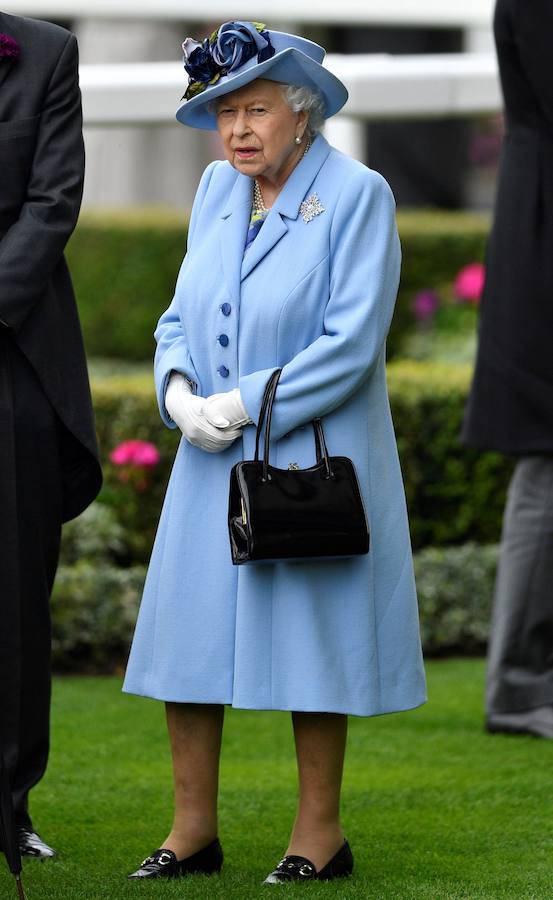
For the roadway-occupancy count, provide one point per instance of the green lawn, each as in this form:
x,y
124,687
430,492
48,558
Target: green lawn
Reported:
x,y
433,807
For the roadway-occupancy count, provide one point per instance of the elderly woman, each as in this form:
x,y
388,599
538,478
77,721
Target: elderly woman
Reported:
x,y
293,263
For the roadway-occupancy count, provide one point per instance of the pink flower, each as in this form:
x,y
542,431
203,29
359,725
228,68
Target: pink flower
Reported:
x,y
470,282
135,453
424,304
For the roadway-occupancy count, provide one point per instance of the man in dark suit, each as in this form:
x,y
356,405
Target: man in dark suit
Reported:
x,y
49,469
510,407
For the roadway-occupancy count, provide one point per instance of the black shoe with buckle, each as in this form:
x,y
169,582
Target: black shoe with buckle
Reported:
x,y
31,844
164,864
299,868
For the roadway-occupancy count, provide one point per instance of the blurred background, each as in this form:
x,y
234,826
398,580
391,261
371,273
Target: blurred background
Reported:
x,y
442,810
429,123
425,110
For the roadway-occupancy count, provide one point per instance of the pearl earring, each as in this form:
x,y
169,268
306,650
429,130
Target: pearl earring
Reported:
x,y
297,140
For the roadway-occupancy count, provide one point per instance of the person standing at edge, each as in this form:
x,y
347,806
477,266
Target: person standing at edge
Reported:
x,y
510,408
293,262
49,467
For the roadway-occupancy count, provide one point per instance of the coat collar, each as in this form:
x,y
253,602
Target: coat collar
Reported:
x,y
293,193
237,212
236,219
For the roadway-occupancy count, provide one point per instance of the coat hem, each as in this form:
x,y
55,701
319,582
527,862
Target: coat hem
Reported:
x,y
336,709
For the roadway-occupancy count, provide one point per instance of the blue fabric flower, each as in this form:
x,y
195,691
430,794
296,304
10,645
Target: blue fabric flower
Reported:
x,y
225,51
237,42
199,62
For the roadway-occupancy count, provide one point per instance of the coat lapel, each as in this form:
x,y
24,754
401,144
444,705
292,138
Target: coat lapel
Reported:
x,y
234,229
287,204
5,69
271,232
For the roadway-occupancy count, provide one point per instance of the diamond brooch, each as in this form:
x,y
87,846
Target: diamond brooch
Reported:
x,y
311,207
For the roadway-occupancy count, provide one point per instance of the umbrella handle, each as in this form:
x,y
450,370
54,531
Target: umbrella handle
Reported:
x,y
20,891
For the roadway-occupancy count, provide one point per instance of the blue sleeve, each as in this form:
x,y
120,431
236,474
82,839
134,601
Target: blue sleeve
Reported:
x,y
172,352
365,259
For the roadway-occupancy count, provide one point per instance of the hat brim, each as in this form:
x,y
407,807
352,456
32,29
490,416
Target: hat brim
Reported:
x,y
290,66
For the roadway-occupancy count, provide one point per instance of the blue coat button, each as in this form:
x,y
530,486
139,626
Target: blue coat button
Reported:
x,y
223,340
226,309
223,371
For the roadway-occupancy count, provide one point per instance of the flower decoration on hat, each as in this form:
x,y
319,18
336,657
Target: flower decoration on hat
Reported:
x,y
226,50
9,48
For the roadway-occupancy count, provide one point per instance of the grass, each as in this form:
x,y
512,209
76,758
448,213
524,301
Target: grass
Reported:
x,y
433,807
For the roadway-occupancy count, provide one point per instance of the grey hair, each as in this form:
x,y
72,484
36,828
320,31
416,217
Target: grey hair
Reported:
x,y
306,99
299,99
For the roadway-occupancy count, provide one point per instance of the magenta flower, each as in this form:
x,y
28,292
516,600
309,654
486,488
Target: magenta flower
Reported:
x,y
424,304
9,48
140,454
470,283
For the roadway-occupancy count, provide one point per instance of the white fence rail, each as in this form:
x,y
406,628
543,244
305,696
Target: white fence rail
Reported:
x,y
452,13
135,153
380,86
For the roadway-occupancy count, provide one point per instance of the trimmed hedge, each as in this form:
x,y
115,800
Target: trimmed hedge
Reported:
x,y
124,267
455,590
95,601
95,598
94,609
454,495
436,245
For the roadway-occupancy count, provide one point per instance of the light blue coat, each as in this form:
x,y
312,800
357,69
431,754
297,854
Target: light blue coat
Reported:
x,y
315,298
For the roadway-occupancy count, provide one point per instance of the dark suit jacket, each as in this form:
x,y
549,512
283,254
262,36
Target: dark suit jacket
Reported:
x,y
41,179
511,403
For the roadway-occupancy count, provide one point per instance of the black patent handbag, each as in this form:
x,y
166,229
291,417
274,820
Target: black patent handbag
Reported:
x,y
280,514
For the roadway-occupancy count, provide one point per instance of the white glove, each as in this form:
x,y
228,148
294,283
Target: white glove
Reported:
x,y
226,411
186,410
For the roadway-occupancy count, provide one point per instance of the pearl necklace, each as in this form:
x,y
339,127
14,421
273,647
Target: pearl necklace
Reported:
x,y
258,204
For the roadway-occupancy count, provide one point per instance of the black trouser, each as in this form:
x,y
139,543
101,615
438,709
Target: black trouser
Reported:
x,y
31,512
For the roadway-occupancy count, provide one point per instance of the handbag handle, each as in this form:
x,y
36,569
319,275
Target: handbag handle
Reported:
x,y
269,395
267,411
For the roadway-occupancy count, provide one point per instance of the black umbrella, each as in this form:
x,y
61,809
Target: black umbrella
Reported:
x,y
10,630
8,832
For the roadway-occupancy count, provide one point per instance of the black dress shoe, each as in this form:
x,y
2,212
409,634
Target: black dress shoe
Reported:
x,y
31,844
299,868
164,864
537,722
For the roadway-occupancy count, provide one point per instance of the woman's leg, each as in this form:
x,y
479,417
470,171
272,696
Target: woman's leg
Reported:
x,y
195,732
320,749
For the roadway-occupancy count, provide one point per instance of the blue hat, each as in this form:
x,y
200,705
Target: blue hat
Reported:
x,y
238,53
